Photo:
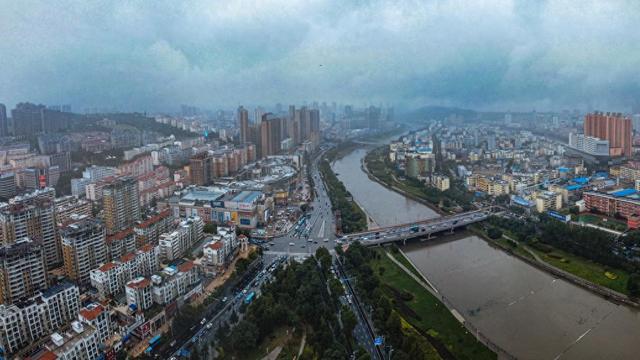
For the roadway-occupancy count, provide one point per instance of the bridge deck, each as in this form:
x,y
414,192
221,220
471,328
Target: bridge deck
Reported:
x,y
417,229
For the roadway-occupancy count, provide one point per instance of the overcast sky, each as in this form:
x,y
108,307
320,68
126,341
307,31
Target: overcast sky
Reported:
x,y
156,55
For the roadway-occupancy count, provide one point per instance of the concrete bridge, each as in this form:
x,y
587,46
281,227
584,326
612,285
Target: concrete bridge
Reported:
x,y
426,228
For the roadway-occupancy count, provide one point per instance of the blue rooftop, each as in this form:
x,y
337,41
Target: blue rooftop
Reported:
x,y
624,192
563,169
521,201
204,194
246,196
581,180
573,187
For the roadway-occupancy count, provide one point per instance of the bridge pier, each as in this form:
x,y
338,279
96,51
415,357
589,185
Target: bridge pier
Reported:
x,y
404,241
451,230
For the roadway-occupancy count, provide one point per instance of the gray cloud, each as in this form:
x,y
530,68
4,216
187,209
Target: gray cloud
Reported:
x,y
487,54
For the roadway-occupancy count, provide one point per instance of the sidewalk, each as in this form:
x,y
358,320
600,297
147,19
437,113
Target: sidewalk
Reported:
x,y
220,280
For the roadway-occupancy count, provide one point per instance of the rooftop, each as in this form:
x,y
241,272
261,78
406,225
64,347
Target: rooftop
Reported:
x,y
92,311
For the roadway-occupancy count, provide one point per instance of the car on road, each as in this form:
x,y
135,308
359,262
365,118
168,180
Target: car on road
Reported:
x,y
326,240
291,244
224,299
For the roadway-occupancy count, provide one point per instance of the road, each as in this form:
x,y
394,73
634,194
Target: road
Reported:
x,y
318,231
417,229
319,225
204,332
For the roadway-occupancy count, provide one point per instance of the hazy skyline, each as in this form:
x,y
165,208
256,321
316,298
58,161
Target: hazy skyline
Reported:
x,y
145,55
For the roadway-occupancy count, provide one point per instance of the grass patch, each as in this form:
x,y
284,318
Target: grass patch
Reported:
x,y
615,279
279,337
606,222
513,246
432,317
404,261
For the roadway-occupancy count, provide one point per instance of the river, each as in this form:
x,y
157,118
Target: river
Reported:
x,y
524,310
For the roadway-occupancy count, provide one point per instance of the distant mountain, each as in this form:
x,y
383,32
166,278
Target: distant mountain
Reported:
x,y
434,112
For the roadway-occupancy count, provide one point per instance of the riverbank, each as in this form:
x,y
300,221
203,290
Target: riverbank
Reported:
x,y
365,167
415,309
352,217
535,260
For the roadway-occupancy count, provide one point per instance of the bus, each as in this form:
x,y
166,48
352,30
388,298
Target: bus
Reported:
x,y
249,298
154,340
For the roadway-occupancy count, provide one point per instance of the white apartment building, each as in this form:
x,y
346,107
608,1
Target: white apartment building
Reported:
x,y
82,342
28,321
111,277
175,244
98,317
173,282
548,200
223,244
138,293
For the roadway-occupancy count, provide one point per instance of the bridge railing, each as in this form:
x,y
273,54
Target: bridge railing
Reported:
x,y
422,222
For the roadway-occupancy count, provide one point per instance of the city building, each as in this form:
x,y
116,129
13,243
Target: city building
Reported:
x,y
138,294
83,248
32,216
175,244
624,203
243,124
38,177
441,182
200,168
26,322
246,209
148,230
614,127
8,185
548,200
589,144
70,207
222,247
23,270
121,243
82,341
96,173
270,135
139,165
111,278
174,281
121,204
4,121
98,317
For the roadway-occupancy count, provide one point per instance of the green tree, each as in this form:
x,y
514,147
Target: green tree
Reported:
x,y
323,256
349,321
210,228
244,337
234,317
494,233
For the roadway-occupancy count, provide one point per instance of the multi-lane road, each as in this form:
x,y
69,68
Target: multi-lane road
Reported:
x,y
318,229
203,333
417,229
